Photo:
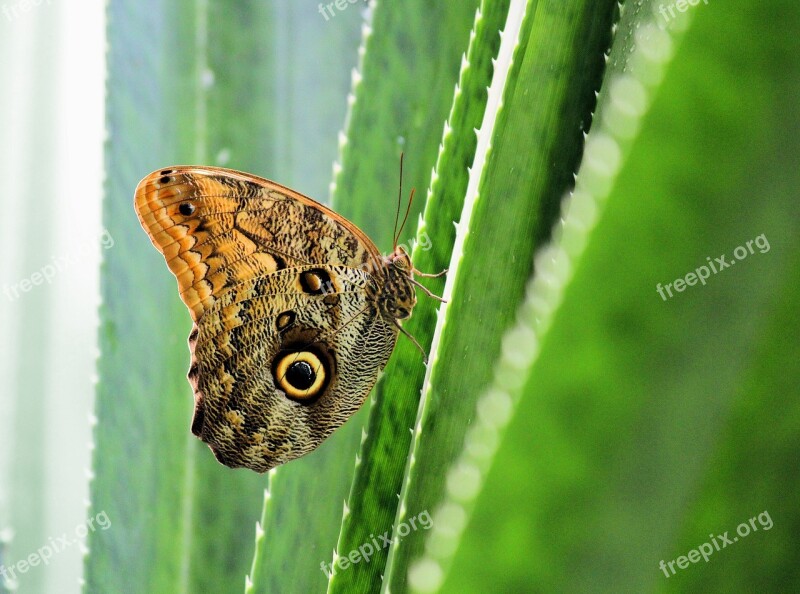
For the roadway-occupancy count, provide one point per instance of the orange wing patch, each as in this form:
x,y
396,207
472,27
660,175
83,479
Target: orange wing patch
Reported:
x,y
191,220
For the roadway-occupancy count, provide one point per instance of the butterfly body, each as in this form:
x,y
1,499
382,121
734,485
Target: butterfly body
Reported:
x,y
295,311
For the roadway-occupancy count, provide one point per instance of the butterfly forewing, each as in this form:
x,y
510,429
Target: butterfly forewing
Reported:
x,y
218,226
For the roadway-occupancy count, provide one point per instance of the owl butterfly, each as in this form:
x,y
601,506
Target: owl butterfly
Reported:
x,y
295,311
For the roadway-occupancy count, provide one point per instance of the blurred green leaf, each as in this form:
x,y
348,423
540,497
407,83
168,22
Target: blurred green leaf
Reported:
x,y
169,101
536,143
391,102
638,434
381,465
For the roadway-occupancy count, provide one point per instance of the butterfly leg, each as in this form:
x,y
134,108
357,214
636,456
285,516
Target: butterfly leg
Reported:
x,y
429,275
414,340
428,292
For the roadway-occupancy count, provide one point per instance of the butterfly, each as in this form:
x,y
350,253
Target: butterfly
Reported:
x,y
295,311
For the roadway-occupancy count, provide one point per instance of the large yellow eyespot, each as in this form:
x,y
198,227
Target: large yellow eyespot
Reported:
x,y
300,375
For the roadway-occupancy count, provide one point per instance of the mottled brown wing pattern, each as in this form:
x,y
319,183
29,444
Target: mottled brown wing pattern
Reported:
x,y
289,334
217,226
242,412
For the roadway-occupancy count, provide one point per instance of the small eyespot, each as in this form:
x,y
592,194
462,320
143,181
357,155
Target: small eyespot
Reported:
x,y
186,209
316,281
284,320
300,375
166,172
165,179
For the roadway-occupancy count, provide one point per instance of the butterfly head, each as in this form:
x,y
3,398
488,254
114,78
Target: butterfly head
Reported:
x,y
400,259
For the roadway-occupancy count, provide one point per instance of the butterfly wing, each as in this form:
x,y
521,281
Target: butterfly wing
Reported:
x,y
288,338
217,226
276,369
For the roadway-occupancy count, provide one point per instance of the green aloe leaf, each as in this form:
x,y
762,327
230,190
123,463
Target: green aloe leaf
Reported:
x,y
185,86
139,475
394,108
382,460
530,143
648,422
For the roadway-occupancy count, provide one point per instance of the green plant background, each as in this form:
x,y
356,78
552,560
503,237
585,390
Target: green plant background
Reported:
x,y
639,426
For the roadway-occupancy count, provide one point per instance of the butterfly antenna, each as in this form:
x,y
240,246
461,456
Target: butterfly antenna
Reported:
x,y
399,199
405,218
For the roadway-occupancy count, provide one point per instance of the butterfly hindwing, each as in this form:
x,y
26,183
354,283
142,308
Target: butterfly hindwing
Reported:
x,y
248,408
